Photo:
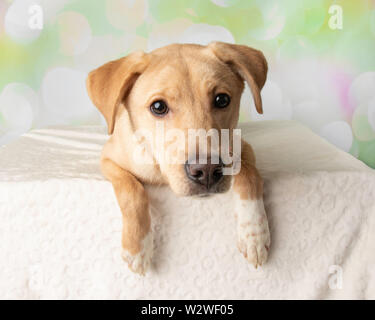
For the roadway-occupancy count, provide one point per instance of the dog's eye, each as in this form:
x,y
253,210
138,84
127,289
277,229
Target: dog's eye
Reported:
x,y
159,108
222,100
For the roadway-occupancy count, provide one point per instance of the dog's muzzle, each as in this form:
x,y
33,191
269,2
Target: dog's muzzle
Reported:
x,y
207,175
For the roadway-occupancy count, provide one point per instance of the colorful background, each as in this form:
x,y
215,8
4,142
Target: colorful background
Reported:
x,y
322,77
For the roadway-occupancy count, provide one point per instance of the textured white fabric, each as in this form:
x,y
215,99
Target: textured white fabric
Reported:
x,y
60,226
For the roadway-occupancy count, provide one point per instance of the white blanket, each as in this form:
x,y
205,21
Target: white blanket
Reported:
x,y
60,225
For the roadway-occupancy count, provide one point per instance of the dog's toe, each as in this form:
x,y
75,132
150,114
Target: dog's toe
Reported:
x,y
255,248
140,262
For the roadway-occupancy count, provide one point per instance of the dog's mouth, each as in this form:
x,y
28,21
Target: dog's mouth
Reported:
x,y
204,195
201,191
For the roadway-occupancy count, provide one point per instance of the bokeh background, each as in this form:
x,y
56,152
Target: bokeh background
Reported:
x,y
322,77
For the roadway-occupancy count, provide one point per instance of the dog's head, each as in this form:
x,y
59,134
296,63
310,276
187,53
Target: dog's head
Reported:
x,y
179,88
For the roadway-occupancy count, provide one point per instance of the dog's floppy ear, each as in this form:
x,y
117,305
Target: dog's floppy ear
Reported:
x,y
110,83
249,63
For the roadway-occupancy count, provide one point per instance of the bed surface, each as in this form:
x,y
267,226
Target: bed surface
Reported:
x,y
60,226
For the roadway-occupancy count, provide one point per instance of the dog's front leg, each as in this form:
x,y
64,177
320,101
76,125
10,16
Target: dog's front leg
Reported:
x,y
252,225
137,240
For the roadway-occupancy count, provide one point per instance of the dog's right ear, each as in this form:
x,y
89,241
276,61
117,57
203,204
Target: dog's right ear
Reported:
x,y
248,63
109,84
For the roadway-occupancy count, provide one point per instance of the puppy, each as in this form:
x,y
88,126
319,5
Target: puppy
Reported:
x,y
182,87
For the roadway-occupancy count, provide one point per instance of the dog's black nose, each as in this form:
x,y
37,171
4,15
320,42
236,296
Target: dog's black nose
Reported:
x,y
205,174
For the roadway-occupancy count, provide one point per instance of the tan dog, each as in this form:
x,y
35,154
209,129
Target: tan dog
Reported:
x,y
185,87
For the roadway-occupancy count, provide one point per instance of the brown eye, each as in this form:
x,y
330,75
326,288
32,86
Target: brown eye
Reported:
x,y
222,100
159,108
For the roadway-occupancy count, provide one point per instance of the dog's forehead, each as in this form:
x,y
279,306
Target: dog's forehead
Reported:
x,y
183,59
178,71
180,50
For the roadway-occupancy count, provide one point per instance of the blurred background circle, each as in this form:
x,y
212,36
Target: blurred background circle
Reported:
x,y
74,33
225,3
362,89
65,97
273,17
126,15
19,107
167,33
339,134
362,126
275,104
204,34
2,15
16,22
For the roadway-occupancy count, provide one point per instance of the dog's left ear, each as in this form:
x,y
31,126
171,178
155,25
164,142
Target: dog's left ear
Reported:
x,y
248,63
109,84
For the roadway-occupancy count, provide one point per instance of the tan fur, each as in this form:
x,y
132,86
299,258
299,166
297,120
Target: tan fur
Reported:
x,y
188,77
249,63
133,201
109,83
248,183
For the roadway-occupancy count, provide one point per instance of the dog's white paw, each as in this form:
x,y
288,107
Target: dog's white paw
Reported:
x,y
254,247
253,233
140,262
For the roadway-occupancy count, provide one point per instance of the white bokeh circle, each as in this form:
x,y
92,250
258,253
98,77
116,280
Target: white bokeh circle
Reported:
x,y
65,96
204,34
51,8
74,33
2,16
371,113
167,33
299,79
275,105
23,90
183,31
314,91
17,105
101,50
310,113
362,88
339,133
126,14
274,18
16,22
362,122
297,47
224,3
